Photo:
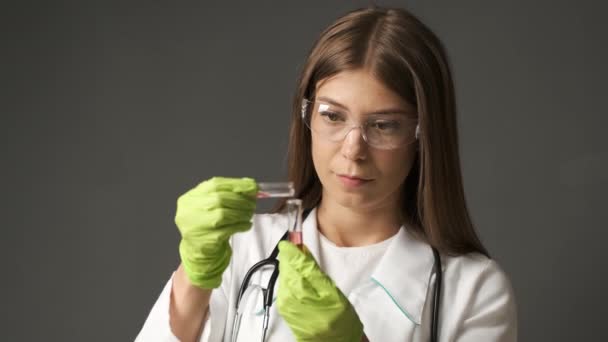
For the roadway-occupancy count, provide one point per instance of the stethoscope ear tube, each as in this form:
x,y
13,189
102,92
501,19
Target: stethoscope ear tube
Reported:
x,y
270,290
436,295
252,270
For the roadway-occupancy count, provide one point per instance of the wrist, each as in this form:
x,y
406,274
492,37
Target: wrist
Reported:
x,y
188,306
184,290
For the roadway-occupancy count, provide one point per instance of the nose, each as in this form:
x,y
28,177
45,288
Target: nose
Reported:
x,y
354,146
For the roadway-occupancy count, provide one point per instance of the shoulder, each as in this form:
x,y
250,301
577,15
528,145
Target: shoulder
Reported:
x,y
475,268
480,289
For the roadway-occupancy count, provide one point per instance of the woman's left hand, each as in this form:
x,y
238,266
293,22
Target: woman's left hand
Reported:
x,y
309,301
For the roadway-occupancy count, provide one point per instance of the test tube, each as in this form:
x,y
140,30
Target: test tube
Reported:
x,y
275,189
294,220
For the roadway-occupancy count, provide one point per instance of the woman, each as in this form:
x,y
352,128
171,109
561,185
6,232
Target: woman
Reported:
x,y
374,157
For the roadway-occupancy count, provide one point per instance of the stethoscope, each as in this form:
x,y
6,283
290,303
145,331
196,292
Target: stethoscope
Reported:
x,y
268,292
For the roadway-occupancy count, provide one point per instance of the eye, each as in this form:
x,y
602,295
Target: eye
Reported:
x,y
331,116
385,126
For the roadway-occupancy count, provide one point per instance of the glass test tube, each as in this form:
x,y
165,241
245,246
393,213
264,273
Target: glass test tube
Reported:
x,y
275,189
294,219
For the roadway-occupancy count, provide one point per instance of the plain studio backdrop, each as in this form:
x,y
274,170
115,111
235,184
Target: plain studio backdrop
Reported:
x,y
111,110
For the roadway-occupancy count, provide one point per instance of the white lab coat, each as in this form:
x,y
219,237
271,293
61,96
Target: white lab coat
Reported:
x,y
394,304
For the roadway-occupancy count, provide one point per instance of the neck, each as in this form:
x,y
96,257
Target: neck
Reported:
x,y
353,227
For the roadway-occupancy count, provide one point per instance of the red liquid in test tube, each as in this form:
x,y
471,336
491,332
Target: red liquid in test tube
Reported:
x,y
294,215
262,194
296,238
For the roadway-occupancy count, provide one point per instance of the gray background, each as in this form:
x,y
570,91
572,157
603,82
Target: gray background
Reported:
x,y
111,110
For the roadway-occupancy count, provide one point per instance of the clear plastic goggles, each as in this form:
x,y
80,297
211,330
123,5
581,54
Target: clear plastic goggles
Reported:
x,y
384,131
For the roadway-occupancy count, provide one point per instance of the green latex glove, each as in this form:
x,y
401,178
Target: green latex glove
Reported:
x,y
206,217
309,301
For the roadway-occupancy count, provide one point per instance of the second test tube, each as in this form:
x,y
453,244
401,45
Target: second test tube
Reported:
x,y
294,221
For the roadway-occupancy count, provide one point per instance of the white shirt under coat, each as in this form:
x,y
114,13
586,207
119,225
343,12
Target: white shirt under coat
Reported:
x,y
393,300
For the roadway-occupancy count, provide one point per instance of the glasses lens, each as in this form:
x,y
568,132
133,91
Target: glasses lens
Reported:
x,y
391,131
329,121
382,131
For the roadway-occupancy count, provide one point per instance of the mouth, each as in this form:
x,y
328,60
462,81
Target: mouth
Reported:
x,y
353,180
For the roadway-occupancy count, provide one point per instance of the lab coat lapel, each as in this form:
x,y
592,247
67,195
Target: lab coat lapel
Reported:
x,y
404,273
390,304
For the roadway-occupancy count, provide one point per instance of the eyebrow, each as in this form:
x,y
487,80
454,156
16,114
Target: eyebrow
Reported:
x,y
384,111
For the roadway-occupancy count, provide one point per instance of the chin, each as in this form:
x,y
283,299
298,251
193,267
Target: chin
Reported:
x,y
352,200
361,200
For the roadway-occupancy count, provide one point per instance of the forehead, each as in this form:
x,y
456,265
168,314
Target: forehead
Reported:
x,y
359,90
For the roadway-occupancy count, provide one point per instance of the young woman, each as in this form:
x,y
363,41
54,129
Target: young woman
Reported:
x,y
391,254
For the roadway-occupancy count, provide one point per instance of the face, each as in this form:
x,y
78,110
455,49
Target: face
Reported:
x,y
380,173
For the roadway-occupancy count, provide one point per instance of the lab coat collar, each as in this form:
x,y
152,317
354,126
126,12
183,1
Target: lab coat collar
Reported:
x,y
403,273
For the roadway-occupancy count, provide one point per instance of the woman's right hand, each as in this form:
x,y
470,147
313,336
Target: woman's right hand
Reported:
x,y
206,217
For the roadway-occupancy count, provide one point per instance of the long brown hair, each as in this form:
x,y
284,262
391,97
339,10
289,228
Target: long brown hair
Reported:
x,y
410,60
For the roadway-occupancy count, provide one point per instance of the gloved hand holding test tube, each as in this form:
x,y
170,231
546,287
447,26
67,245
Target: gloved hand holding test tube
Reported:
x,y
294,207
